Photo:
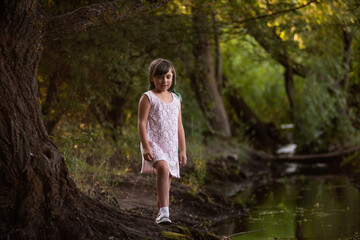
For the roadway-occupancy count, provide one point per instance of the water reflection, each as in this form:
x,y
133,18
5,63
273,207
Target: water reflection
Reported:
x,y
326,207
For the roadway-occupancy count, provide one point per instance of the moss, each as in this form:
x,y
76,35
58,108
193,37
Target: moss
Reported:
x,y
173,235
181,232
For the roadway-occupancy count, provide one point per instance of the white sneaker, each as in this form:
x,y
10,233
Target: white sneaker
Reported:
x,y
163,218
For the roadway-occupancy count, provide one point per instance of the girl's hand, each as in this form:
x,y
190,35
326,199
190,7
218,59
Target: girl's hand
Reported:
x,y
148,154
182,159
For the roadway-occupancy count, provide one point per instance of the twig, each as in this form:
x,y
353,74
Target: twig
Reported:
x,y
242,233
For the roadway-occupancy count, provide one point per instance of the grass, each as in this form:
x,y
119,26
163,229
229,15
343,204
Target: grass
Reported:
x,y
197,161
95,161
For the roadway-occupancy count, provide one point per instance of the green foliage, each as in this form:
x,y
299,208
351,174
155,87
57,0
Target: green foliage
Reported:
x,y
257,78
70,144
94,159
97,78
353,161
193,120
197,161
323,118
146,4
320,113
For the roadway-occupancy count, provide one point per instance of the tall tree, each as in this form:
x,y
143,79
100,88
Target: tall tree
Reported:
x,y
204,73
39,200
272,43
264,135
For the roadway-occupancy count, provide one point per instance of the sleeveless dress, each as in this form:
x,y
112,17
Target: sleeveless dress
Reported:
x,y
162,134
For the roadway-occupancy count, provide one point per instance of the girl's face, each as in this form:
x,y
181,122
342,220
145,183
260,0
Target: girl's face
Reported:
x,y
163,83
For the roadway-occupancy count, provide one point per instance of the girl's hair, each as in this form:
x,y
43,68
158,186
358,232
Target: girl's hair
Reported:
x,y
160,67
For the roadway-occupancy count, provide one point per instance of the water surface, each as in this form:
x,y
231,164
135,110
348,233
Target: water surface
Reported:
x,y
300,207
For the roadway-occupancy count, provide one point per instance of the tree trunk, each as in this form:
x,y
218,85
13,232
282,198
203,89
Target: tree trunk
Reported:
x,y
265,134
204,79
34,177
354,103
39,200
51,119
113,116
289,86
218,55
344,83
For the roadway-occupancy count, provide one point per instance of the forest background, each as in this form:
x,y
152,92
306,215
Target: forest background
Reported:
x,y
254,73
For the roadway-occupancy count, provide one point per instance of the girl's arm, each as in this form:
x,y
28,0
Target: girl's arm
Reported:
x,y
182,144
143,114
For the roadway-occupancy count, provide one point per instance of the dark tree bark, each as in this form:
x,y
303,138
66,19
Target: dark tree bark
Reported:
x,y
46,107
353,89
344,83
354,103
289,86
218,55
39,200
204,79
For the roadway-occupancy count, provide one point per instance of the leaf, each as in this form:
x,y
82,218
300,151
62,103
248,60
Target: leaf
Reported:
x,y
146,4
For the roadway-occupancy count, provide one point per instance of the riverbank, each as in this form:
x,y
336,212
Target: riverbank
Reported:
x,y
198,211
228,173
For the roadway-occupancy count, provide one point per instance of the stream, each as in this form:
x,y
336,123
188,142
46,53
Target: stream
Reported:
x,y
298,207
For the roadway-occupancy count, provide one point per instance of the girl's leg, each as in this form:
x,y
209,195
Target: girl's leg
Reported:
x,y
162,183
157,197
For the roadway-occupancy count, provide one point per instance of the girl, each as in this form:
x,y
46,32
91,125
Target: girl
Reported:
x,y
161,132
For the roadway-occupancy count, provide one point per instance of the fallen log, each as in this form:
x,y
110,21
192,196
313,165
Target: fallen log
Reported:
x,y
331,157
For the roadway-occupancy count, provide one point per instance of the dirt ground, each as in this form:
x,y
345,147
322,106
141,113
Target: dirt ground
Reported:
x,y
135,195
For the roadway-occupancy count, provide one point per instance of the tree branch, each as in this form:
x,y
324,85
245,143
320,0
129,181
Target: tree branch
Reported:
x,y
278,54
276,50
276,13
85,18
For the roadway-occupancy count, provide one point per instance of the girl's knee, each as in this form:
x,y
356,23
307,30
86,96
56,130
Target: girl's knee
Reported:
x,y
162,167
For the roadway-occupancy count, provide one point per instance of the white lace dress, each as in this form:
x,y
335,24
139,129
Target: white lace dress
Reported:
x,y
162,133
